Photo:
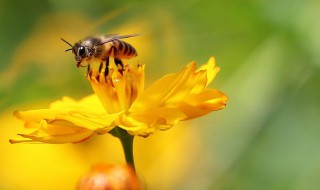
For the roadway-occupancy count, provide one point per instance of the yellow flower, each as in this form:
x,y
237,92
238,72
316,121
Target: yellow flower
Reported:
x,y
120,100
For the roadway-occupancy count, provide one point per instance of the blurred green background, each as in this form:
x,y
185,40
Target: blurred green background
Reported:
x,y
267,137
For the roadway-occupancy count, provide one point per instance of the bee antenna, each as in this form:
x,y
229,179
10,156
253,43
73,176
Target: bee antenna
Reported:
x,y
67,42
69,49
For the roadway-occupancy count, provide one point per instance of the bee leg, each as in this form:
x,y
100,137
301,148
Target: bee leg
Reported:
x,y
116,60
119,62
100,67
106,70
88,71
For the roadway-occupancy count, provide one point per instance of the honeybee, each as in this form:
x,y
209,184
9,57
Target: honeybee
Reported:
x,y
100,48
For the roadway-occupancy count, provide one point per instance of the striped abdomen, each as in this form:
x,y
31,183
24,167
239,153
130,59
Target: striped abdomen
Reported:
x,y
123,50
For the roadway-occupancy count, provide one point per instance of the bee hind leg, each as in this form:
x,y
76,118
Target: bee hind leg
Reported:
x,y
119,65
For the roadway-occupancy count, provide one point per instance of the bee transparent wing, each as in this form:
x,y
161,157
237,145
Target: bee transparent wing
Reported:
x,y
128,36
110,37
107,38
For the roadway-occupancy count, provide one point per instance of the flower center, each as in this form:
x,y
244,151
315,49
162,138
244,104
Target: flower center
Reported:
x,y
117,89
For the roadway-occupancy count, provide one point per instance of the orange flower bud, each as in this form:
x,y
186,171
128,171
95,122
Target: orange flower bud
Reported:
x,y
109,176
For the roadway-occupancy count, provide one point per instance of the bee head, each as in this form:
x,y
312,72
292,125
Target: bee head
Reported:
x,y
80,52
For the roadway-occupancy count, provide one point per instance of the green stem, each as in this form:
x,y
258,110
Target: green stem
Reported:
x,y
127,144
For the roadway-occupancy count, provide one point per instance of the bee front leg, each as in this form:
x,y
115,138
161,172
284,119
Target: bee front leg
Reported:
x,y
89,71
106,70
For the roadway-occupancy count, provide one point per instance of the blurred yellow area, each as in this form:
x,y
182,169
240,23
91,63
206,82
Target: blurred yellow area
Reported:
x,y
43,166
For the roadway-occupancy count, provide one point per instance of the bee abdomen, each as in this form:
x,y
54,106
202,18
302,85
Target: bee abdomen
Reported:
x,y
125,50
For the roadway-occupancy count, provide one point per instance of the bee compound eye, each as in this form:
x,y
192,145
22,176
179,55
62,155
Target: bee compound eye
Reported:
x,y
81,51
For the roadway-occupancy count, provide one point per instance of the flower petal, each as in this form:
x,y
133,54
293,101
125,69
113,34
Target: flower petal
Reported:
x,y
56,133
68,120
145,123
97,123
170,89
203,103
89,104
104,88
211,68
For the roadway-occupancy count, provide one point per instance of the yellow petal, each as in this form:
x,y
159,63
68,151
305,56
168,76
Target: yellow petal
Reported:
x,y
67,121
145,123
211,68
89,104
170,89
95,123
55,133
138,76
203,103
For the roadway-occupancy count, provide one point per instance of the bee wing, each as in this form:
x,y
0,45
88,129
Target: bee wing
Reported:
x,y
128,36
110,37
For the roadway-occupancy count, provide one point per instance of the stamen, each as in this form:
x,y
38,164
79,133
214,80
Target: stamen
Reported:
x,y
98,78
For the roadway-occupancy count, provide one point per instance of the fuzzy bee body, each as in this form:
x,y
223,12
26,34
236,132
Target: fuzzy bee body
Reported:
x,y
123,50
100,48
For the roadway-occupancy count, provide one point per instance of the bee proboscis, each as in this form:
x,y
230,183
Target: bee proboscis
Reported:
x,y
100,48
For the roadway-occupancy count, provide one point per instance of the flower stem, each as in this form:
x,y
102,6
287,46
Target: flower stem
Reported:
x,y
127,144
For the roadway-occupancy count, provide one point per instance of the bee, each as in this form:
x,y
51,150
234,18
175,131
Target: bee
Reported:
x,y
100,48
